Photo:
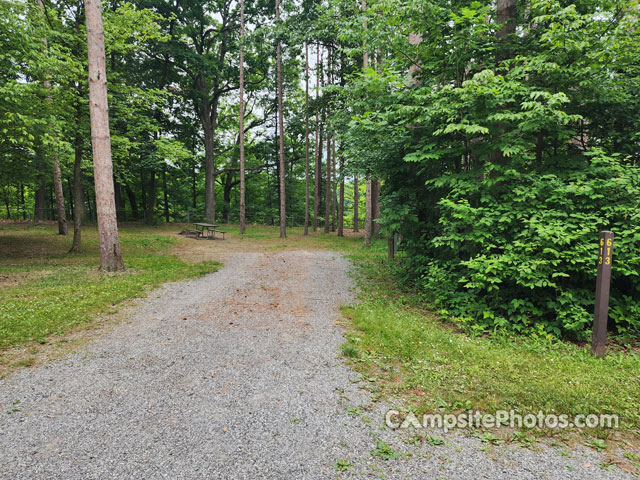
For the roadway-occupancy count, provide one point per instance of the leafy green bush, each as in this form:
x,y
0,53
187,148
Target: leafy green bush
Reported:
x,y
517,248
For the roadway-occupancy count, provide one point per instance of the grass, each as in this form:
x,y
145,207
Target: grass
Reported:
x,y
430,366
404,351
47,292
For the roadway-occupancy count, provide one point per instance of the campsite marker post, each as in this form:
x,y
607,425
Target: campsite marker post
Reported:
x,y
603,283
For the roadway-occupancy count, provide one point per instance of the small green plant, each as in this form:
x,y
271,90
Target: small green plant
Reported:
x,y
343,464
597,443
633,458
354,411
490,438
349,350
434,440
294,420
384,451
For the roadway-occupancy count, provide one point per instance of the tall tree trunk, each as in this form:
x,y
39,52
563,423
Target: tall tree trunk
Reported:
x,y
22,205
209,163
151,200
78,197
194,189
327,199
110,252
318,146
506,13
368,218
334,196
306,139
143,191
57,187
70,196
375,198
228,186
242,186
341,204
40,199
283,203
166,194
132,202
57,175
356,202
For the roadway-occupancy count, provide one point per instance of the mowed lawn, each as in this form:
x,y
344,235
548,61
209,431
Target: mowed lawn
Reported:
x,y
45,291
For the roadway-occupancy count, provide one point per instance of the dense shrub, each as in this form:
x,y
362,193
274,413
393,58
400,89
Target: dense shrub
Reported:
x,y
516,249
502,157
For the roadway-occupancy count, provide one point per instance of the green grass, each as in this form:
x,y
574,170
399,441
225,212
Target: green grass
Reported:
x,y
402,348
57,291
435,368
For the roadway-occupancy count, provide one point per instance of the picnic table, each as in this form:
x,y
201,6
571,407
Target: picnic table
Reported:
x,y
205,230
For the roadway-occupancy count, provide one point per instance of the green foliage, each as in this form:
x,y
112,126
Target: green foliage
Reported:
x,y
440,369
503,158
520,249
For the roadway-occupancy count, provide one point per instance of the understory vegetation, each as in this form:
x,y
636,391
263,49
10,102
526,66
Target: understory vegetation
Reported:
x,y
504,149
422,363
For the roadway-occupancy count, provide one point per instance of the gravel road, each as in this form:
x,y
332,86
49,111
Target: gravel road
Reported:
x,y
234,375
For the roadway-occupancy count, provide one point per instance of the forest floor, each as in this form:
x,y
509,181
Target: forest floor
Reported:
x,y
240,374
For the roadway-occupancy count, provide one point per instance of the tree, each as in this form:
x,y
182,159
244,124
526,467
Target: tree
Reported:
x,y
283,199
242,187
318,142
110,252
306,139
57,175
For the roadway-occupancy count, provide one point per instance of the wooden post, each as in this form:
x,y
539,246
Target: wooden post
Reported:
x,y
603,282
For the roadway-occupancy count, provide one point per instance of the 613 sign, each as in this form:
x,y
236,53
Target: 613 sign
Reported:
x,y
606,244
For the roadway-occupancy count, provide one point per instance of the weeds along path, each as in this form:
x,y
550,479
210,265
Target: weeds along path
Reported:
x,y
233,375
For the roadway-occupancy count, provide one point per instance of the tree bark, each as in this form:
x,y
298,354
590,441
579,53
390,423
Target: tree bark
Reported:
x,y
318,146
110,252
306,139
334,196
166,194
57,175
341,204
40,199
242,186
375,198
356,202
507,12
368,207
283,202
151,200
328,197
368,218
132,202
209,162
22,206
59,193
78,188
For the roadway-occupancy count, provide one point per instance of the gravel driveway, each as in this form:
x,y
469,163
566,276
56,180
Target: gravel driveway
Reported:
x,y
234,375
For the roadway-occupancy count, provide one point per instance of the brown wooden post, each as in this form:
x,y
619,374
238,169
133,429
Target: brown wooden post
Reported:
x,y
603,282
